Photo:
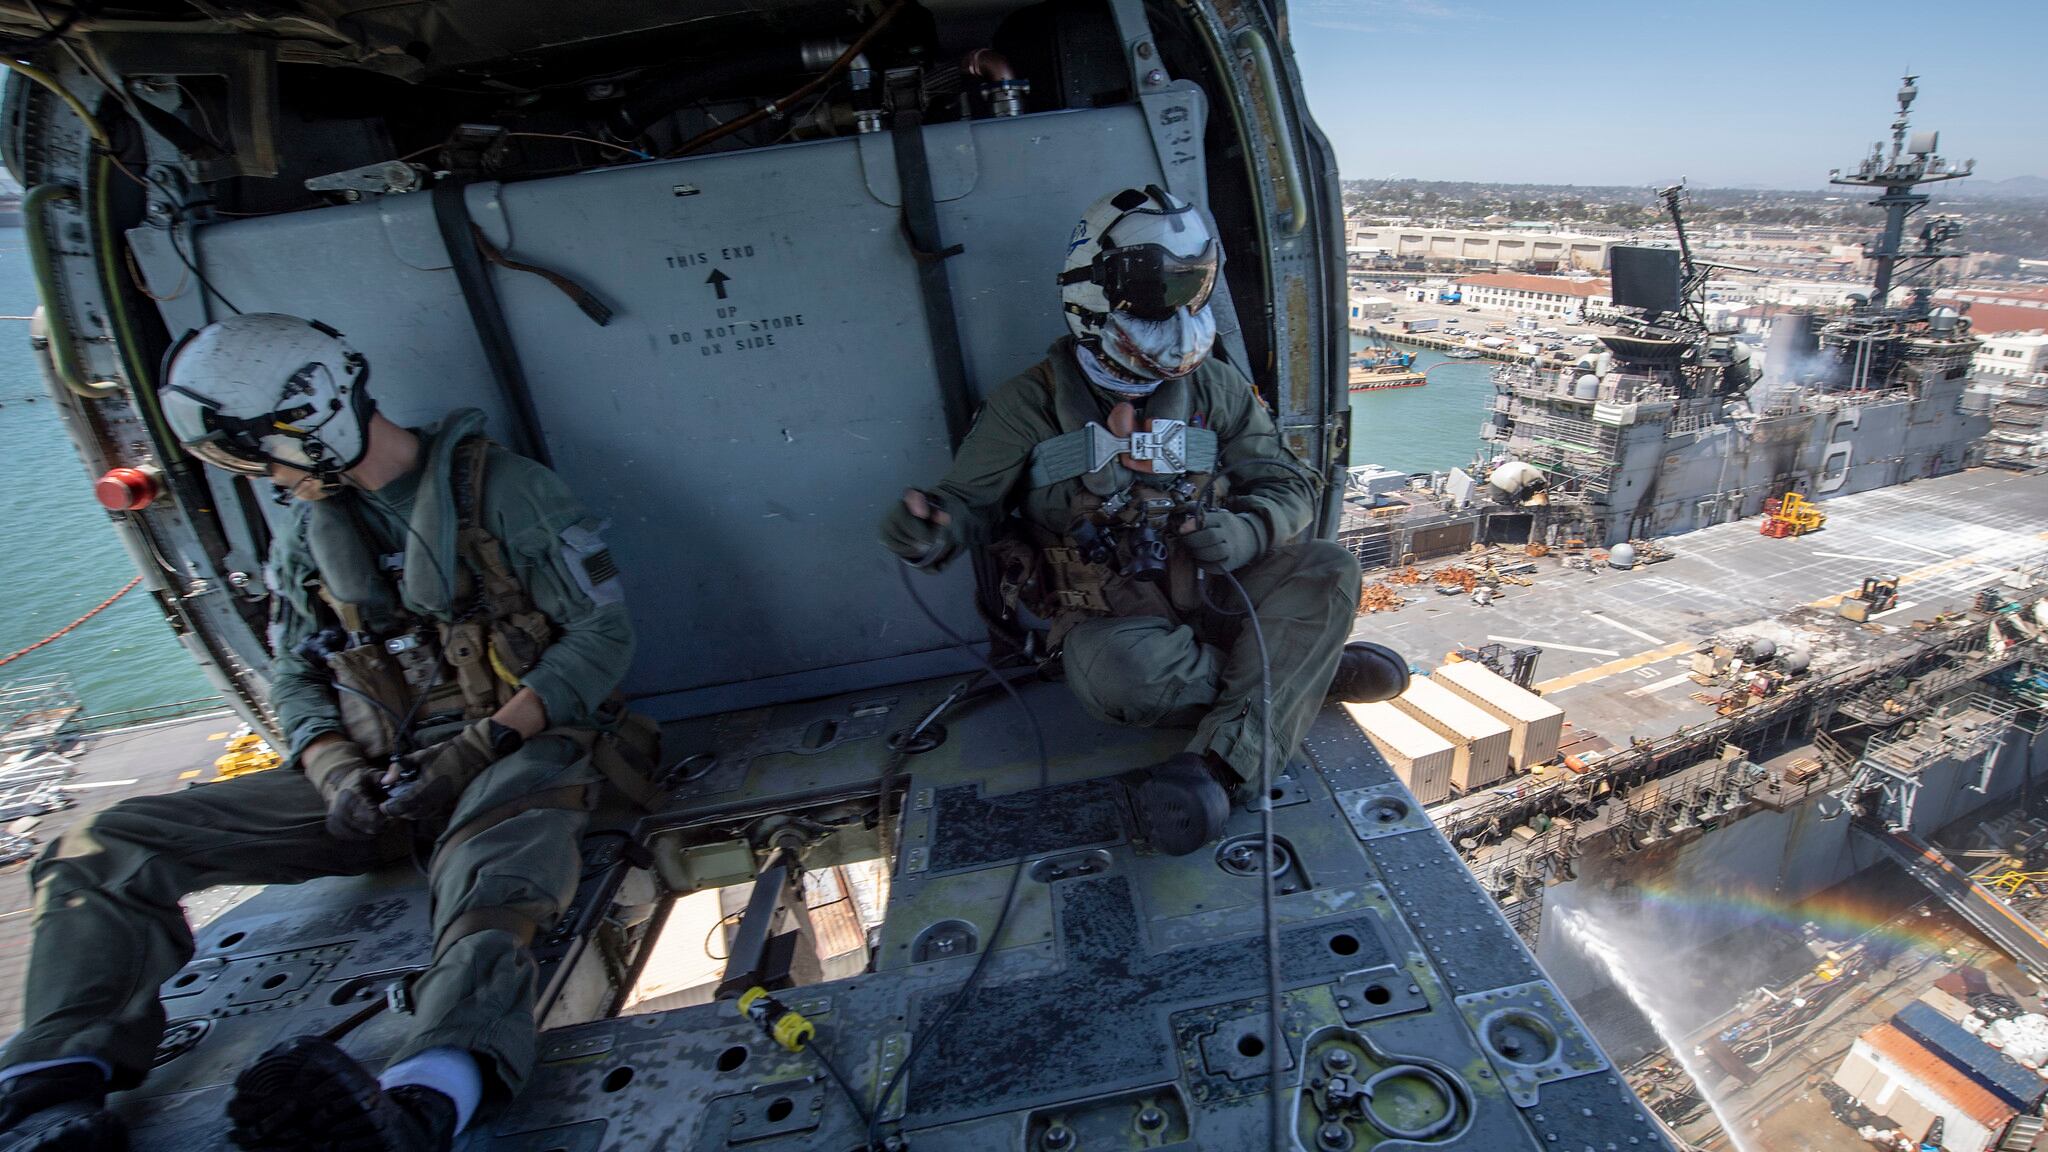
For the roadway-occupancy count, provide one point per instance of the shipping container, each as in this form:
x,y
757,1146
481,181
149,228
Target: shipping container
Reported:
x,y
2005,1077
1421,758
1913,1087
1535,725
1480,741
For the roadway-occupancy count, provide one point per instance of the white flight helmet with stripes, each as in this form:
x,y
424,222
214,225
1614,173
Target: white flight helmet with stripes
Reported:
x,y
1140,268
261,389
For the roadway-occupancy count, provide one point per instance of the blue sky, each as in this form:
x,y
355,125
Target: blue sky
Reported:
x,y
1727,93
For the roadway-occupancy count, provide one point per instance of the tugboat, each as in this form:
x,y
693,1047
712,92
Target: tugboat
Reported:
x,y
1383,366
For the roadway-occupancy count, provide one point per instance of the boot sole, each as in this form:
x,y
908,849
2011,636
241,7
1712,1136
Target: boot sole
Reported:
x,y
68,1128
305,1095
1178,815
1393,673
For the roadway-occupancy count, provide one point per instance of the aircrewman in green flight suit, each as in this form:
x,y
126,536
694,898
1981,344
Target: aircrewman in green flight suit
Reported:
x,y
447,629
1137,466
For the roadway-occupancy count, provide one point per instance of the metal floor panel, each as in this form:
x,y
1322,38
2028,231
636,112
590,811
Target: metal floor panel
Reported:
x,y
1126,1002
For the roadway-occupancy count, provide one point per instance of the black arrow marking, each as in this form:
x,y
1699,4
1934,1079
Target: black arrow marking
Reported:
x,y
717,280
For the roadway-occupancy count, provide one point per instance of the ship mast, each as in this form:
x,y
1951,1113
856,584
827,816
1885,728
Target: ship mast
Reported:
x,y
1693,275
1912,163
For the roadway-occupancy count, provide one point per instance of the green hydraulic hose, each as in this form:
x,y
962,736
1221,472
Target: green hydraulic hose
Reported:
x,y
106,246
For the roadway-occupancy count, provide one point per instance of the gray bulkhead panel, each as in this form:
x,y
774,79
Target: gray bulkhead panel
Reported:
x,y
766,385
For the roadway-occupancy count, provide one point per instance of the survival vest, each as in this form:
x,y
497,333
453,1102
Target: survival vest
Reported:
x,y
1101,505
467,666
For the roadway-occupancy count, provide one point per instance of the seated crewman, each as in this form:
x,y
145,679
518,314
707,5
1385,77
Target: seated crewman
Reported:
x,y
428,583
1133,460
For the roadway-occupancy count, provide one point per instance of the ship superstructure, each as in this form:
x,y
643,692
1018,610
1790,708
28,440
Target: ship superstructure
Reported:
x,y
1671,427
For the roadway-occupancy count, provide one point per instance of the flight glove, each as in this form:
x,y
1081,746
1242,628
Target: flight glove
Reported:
x,y
1226,540
433,779
929,541
348,783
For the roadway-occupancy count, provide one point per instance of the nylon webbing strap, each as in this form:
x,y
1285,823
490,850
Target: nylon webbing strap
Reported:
x,y
921,221
486,920
623,770
581,797
480,293
1086,449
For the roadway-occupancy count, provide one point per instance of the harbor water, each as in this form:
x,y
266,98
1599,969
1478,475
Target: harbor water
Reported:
x,y
1427,429
59,555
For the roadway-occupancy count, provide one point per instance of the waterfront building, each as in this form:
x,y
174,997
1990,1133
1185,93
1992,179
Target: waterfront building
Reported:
x,y
1509,247
2013,356
1554,296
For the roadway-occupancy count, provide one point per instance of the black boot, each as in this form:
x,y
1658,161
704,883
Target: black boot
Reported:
x,y
1368,673
60,1109
307,1095
1179,803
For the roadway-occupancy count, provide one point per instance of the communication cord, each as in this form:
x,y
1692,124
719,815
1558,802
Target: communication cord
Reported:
x,y
1276,1037
995,935
832,1066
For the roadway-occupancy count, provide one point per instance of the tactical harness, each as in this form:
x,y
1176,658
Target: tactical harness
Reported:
x,y
1124,492
494,637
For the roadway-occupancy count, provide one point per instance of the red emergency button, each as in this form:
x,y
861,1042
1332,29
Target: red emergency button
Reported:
x,y
127,489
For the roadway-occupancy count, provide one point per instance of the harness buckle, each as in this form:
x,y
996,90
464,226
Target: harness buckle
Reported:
x,y
1163,444
1086,599
398,997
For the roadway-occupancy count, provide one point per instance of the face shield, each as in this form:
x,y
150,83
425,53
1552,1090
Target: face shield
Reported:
x,y
1154,260
1151,281
291,436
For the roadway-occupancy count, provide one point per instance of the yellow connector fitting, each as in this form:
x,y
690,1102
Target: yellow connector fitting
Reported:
x,y
787,1028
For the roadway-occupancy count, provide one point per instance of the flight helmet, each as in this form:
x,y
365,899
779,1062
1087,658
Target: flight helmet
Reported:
x,y
256,390
1140,268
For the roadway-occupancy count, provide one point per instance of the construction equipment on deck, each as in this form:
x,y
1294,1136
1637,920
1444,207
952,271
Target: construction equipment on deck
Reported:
x,y
246,753
1515,665
1791,515
1878,594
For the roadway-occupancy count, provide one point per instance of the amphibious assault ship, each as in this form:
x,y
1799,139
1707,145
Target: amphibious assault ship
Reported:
x,y
1757,709
740,273
1671,427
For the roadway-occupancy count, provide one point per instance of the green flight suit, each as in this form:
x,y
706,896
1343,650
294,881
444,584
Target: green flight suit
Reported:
x,y
1144,661
108,889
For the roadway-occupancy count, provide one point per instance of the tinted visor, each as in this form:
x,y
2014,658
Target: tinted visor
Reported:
x,y
237,445
1149,281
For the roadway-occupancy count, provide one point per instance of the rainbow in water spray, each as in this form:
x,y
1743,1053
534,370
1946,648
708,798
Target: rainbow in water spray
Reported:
x,y
1839,913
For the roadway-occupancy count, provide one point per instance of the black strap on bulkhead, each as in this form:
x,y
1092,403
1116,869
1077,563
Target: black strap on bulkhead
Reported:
x,y
921,221
451,212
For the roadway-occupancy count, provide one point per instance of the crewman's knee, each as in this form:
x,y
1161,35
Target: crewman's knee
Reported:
x,y
1328,559
1138,670
1313,564
112,843
529,860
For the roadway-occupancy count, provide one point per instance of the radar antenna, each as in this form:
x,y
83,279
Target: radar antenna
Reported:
x,y
1912,162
